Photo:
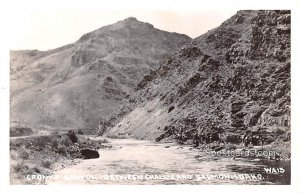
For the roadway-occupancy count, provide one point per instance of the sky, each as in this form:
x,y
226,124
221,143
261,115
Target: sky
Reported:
x,y
48,29
48,24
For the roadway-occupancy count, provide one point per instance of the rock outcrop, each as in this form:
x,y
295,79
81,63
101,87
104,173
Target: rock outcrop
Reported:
x,y
232,79
89,154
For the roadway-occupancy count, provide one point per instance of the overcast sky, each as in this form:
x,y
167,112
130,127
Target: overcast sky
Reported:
x,y
47,24
47,29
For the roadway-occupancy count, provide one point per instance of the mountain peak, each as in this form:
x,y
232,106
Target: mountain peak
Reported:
x,y
128,23
120,53
134,21
130,19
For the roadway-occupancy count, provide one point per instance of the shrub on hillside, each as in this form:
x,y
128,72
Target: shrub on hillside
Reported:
x,y
62,150
46,163
73,136
24,154
80,132
20,167
54,144
65,141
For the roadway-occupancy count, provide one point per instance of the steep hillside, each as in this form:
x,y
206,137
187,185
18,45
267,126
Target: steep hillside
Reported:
x,y
78,85
232,79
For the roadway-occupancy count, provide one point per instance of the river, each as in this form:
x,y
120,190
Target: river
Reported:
x,y
145,162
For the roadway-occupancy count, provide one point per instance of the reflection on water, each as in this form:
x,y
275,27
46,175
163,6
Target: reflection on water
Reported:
x,y
145,162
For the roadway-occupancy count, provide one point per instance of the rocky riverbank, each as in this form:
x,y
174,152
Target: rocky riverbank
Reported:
x,y
32,156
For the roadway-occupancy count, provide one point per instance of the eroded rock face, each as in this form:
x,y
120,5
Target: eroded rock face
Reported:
x,y
232,79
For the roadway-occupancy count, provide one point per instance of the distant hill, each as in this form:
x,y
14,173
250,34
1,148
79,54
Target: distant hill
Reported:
x,y
79,85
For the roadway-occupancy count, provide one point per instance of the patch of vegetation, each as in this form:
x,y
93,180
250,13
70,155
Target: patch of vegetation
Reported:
x,y
103,141
17,131
39,155
72,135
115,136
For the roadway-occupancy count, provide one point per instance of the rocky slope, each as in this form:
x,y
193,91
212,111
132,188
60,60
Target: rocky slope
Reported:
x,y
232,79
78,85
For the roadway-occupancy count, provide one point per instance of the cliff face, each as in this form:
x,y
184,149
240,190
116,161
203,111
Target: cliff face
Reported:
x,y
232,79
78,85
